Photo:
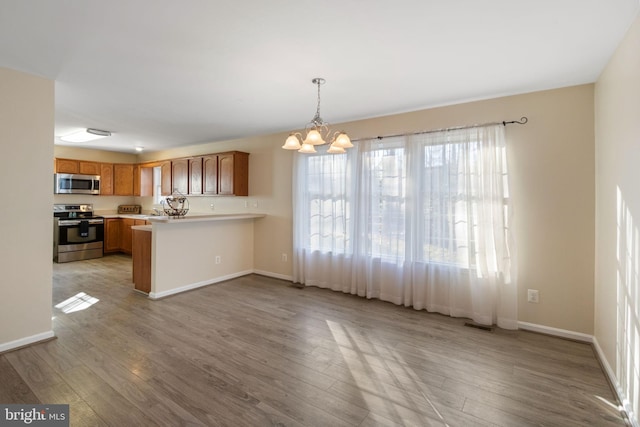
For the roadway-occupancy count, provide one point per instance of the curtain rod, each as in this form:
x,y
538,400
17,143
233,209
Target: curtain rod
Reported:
x,y
522,121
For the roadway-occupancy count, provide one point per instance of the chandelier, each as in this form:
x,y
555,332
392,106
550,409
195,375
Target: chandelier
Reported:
x,y
317,133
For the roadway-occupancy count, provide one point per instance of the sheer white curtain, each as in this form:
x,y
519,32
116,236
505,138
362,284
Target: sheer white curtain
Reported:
x,y
419,220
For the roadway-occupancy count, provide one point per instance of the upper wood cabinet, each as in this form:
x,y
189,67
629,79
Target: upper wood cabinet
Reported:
x,y
112,234
195,176
223,174
180,176
145,181
106,179
66,166
165,173
76,166
210,174
233,173
136,180
89,168
123,179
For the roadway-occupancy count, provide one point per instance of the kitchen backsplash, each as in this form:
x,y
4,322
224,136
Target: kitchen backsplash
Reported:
x,y
100,203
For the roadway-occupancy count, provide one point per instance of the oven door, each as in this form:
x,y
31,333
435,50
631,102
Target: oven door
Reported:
x,y
78,239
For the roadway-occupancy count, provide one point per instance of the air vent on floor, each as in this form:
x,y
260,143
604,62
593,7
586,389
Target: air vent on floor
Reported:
x,y
479,326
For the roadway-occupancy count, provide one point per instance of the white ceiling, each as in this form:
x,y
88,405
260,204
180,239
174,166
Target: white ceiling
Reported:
x,y
165,73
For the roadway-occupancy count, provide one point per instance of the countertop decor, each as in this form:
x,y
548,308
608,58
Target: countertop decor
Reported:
x,y
176,204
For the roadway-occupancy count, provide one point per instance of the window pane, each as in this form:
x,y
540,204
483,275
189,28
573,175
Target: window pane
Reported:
x,y
447,217
327,183
385,171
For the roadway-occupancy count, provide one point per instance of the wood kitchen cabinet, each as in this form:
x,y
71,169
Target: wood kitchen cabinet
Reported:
x,y
125,235
144,181
118,234
142,260
106,179
180,176
136,180
89,168
76,166
66,166
195,176
210,174
112,227
165,174
225,174
233,173
123,179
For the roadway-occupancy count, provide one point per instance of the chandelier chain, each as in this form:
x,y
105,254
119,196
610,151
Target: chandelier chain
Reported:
x,y
317,120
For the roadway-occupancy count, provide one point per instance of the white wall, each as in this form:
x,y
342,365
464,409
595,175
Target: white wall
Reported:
x,y
26,196
184,253
617,283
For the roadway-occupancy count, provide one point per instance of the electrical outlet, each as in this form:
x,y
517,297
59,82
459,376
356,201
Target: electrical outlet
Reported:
x,y
218,259
533,296
284,257
212,207
255,204
246,204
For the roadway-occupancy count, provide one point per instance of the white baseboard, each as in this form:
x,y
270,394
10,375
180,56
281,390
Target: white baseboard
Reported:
x,y
626,405
555,332
22,342
274,275
185,288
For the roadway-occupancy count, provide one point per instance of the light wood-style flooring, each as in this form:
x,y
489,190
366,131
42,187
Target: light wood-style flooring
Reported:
x,y
257,351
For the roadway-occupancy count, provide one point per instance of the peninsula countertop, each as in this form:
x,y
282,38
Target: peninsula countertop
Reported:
x,y
190,217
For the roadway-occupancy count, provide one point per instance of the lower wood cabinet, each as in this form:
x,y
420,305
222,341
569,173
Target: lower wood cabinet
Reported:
x,y
112,232
118,234
142,260
125,233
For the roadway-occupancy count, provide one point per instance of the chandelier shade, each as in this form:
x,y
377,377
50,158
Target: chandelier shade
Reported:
x,y
318,133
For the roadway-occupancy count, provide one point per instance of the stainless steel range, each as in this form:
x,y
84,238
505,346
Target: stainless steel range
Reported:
x,y
77,233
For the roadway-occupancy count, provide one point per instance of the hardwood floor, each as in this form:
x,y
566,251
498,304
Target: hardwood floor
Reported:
x,y
256,351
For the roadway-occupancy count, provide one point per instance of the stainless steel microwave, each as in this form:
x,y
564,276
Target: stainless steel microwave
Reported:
x,y
67,183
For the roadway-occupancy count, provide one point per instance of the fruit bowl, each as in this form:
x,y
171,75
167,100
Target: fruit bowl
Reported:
x,y
175,205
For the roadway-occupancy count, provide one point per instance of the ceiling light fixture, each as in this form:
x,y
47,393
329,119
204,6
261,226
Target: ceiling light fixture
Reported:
x,y
85,135
317,133
139,148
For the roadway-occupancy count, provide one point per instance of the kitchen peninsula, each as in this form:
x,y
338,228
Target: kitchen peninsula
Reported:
x,y
177,254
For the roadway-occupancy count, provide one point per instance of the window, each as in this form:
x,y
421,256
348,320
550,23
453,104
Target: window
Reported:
x,y
407,219
415,198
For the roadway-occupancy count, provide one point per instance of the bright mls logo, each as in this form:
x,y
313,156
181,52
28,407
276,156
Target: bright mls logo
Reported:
x,y
34,415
